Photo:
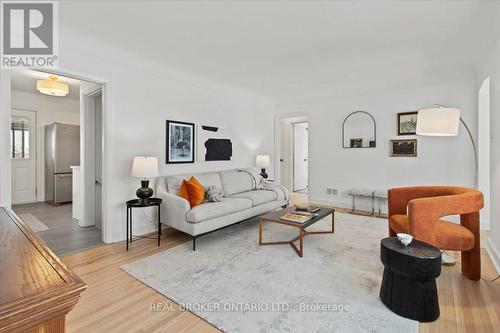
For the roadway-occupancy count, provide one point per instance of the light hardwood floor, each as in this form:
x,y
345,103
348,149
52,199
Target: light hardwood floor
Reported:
x,y
116,302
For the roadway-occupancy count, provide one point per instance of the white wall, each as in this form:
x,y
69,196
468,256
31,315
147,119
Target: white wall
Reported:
x,y
139,97
491,68
48,109
5,174
439,160
484,149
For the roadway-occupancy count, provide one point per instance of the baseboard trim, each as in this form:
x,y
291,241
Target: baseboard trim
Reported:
x,y
494,254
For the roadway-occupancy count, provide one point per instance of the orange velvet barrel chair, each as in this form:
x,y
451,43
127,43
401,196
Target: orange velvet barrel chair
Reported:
x,y
418,210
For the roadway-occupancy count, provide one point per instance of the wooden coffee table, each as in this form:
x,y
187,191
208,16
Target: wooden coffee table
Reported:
x,y
274,217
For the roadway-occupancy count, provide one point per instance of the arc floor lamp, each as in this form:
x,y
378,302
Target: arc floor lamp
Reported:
x,y
444,121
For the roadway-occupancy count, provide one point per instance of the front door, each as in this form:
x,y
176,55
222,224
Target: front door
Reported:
x,y
23,156
300,156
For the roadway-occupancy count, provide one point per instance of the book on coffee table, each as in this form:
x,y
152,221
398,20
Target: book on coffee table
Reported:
x,y
298,217
310,209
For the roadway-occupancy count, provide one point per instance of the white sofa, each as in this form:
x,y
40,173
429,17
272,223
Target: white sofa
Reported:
x,y
241,201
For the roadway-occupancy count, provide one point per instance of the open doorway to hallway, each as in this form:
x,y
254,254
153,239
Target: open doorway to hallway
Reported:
x,y
46,175
294,155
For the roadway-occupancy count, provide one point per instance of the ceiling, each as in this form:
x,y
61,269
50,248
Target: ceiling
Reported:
x,y
25,80
283,49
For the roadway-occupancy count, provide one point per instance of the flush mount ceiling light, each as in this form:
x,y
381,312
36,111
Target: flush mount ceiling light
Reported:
x,y
52,87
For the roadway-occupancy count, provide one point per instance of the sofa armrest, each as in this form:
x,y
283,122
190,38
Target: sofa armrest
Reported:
x,y
173,211
279,189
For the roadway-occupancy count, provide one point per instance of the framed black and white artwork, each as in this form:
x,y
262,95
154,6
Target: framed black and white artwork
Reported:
x,y
404,148
180,142
407,123
214,144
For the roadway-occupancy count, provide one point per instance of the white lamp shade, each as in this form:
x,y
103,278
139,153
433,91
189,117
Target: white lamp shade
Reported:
x,y
263,160
145,167
438,122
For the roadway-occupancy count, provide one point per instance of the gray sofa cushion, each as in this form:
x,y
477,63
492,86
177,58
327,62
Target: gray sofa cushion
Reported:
x,y
206,179
234,181
258,197
210,210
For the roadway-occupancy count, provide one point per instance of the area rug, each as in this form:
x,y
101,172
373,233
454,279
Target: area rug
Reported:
x,y
239,286
35,224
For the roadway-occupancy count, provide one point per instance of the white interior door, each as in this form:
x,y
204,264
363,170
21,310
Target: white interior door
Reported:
x,y
300,156
98,161
23,156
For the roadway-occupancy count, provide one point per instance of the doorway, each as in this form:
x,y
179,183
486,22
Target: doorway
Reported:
x,y
293,150
48,172
300,157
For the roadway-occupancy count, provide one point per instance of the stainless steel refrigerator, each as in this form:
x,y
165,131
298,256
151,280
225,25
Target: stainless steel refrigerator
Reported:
x,y
62,150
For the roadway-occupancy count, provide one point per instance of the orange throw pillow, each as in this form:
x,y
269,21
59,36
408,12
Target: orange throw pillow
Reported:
x,y
196,192
183,192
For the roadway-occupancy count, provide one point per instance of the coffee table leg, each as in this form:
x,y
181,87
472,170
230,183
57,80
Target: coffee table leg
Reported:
x,y
301,242
260,231
333,222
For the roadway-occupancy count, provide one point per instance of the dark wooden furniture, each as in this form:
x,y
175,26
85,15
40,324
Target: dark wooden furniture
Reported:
x,y
275,217
409,283
36,289
136,203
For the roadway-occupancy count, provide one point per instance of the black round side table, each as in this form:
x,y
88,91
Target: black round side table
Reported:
x,y
409,283
136,203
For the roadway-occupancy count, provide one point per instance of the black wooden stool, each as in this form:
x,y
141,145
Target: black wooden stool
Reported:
x,y
409,283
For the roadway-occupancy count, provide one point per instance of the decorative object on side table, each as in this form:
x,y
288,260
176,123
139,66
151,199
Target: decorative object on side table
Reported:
x,y
145,167
405,239
407,123
136,203
409,283
404,148
180,142
263,161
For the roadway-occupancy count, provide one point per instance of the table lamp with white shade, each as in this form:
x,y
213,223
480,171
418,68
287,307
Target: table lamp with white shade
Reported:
x,y
144,168
263,161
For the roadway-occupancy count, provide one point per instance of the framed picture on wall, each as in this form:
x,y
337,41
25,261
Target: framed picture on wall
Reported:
x,y
214,143
407,123
180,142
404,148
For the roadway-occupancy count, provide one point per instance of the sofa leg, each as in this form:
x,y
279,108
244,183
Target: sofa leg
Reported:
x,y
194,243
